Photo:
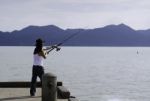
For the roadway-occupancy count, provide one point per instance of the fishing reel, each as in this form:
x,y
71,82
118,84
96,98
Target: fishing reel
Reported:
x,y
56,47
49,49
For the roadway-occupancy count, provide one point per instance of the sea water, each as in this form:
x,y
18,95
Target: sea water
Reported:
x,y
90,73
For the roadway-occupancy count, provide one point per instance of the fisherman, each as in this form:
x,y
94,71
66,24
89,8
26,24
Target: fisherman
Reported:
x,y
39,55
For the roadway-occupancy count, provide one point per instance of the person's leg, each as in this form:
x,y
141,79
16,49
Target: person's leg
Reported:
x,y
41,72
33,82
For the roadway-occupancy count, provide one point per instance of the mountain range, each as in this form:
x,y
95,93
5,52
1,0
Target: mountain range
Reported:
x,y
111,35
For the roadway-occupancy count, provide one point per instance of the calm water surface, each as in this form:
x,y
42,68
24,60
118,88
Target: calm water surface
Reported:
x,y
90,73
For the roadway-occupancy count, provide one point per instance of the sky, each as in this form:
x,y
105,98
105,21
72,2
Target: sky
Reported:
x,y
17,14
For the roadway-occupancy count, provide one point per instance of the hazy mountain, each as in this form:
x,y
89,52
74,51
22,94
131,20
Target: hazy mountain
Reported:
x,y
111,35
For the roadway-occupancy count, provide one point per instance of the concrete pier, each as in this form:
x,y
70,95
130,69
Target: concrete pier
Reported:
x,y
20,94
20,91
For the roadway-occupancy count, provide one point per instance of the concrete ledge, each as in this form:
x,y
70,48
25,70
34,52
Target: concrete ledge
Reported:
x,y
19,91
21,94
21,84
63,92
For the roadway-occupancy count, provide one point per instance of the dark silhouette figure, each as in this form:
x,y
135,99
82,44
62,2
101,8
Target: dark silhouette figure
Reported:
x,y
38,69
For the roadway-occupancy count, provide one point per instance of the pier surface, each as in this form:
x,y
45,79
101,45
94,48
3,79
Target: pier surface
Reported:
x,y
21,94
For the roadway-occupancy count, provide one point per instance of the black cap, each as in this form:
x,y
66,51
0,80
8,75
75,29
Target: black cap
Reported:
x,y
39,40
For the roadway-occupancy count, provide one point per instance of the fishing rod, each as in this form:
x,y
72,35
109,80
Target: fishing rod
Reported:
x,y
62,42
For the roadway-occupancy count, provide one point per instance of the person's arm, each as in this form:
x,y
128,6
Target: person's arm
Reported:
x,y
42,54
50,47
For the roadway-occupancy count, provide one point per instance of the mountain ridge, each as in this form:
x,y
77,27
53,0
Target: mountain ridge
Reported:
x,y
110,35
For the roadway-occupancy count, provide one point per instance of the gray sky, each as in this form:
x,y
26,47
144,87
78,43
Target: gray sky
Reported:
x,y
17,14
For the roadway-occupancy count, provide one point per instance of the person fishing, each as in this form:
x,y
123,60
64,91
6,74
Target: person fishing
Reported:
x,y
39,55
